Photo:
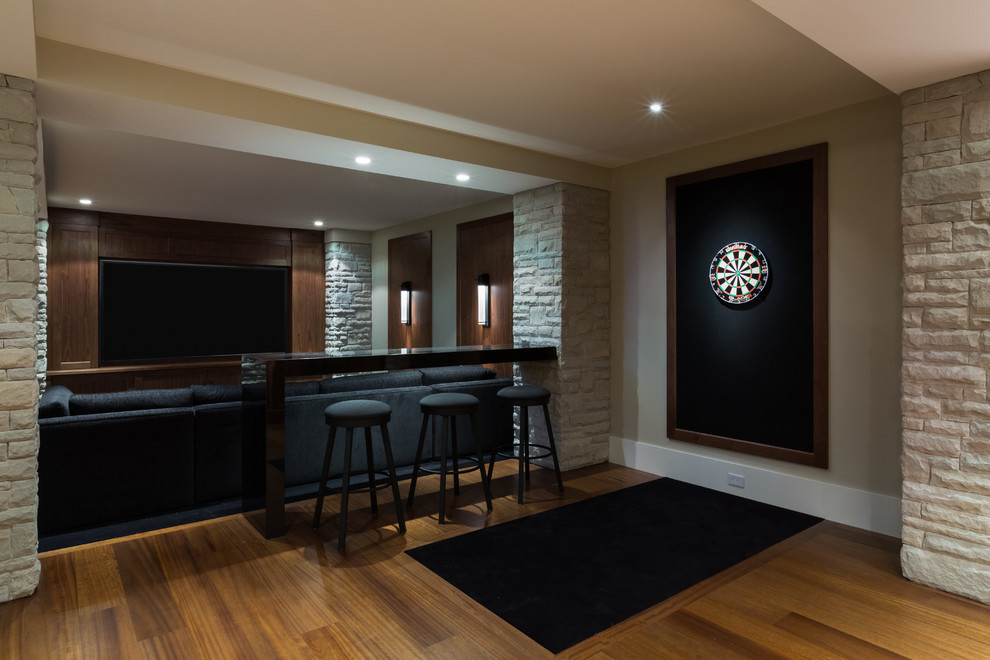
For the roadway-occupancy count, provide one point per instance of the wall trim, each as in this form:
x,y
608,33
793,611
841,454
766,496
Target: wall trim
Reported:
x,y
849,506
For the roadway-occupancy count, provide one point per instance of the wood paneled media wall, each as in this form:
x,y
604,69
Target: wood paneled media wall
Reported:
x,y
77,240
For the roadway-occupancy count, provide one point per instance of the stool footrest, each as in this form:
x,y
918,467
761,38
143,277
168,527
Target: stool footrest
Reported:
x,y
512,451
434,466
381,479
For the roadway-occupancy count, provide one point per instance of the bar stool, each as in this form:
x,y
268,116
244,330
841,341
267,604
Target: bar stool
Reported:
x,y
448,405
526,396
365,414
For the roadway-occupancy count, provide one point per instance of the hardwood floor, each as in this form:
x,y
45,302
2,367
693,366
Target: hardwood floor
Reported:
x,y
218,590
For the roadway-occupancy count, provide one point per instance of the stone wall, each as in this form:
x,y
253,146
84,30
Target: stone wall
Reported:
x,y
19,566
561,297
41,247
946,340
348,302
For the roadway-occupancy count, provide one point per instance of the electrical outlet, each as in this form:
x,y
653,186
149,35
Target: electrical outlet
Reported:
x,y
737,480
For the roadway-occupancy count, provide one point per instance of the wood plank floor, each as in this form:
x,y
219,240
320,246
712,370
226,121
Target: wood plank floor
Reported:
x,y
218,590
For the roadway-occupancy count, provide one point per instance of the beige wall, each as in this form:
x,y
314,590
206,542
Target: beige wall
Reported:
x,y
864,301
444,228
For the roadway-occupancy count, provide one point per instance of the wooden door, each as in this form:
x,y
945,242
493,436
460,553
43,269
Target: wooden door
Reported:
x,y
410,259
485,247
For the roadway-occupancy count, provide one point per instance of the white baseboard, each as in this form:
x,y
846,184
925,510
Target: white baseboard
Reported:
x,y
849,506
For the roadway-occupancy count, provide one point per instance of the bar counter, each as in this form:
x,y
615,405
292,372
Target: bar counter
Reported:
x,y
274,369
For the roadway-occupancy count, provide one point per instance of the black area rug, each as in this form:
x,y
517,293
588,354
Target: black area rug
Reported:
x,y
564,575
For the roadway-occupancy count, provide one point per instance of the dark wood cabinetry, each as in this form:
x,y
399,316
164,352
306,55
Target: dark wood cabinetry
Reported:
x,y
77,240
307,298
73,291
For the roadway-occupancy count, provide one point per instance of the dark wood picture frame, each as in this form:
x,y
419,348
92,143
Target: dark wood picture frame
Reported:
x,y
816,451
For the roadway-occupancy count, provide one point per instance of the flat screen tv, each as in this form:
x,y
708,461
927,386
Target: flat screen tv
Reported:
x,y
158,311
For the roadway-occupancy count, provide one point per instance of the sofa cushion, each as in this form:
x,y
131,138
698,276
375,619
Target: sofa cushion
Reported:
x,y
437,375
375,381
203,394
54,402
88,404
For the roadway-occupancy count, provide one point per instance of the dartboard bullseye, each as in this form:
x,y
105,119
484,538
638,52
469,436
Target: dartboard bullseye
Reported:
x,y
739,272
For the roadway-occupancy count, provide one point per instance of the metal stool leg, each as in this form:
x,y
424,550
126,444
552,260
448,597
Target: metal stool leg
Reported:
x,y
525,412
344,488
371,471
523,449
443,468
323,479
485,485
499,425
419,456
454,453
553,449
395,482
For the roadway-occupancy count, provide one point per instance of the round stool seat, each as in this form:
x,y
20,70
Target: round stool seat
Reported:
x,y
524,395
448,403
359,412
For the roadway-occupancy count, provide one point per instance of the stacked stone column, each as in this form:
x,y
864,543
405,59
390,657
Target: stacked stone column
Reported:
x,y
41,247
348,296
561,298
19,566
945,195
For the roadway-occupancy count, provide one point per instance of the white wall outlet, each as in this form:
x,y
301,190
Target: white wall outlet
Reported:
x,y
737,480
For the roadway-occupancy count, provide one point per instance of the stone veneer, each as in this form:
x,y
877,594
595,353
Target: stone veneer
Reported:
x,y
561,297
41,247
945,193
348,295
19,565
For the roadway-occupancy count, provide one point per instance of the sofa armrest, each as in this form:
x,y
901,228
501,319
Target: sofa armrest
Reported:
x,y
54,402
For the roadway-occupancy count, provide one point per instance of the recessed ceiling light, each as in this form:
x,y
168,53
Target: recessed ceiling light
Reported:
x,y
463,177
318,223
85,202
362,160
656,108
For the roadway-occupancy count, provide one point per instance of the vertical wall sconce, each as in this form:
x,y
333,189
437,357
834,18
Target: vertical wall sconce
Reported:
x,y
405,303
484,301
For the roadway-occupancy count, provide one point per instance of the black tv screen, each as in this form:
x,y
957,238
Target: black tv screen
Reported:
x,y
156,311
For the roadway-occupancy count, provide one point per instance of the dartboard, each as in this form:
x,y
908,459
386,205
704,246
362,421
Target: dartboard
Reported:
x,y
739,272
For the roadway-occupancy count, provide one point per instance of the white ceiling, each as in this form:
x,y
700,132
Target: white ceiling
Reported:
x,y
566,78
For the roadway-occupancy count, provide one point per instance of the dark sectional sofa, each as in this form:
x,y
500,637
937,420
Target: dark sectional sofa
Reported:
x,y
108,458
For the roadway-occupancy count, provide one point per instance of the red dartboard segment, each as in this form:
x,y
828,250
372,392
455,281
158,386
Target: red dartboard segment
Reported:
x,y
739,273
